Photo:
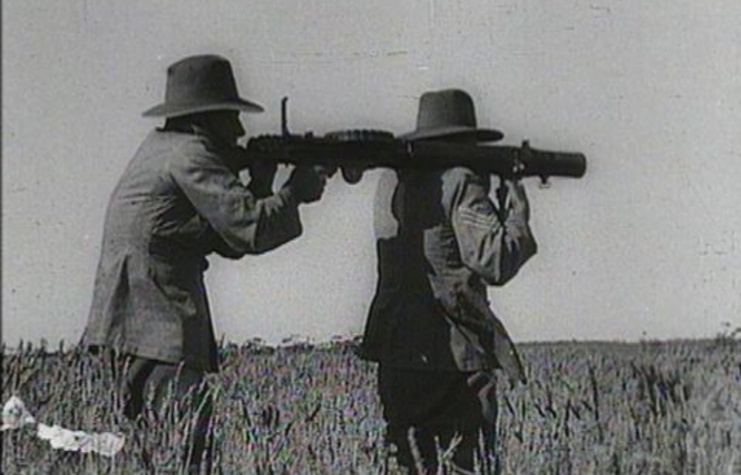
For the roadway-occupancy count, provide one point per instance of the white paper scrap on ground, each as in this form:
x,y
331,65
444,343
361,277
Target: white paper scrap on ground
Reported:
x,y
15,416
107,444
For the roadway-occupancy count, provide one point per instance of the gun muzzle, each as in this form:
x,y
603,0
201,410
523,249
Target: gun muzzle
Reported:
x,y
562,164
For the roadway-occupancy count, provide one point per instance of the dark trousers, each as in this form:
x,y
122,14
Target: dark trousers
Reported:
x,y
164,383
422,406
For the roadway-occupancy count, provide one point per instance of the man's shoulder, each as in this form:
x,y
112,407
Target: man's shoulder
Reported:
x,y
460,172
178,141
161,139
175,148
461,176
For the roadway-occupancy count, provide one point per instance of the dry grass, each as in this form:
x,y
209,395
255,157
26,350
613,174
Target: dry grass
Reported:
x,y
650,408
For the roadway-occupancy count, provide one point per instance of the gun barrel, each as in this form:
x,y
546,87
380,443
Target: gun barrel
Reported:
x,y
498,159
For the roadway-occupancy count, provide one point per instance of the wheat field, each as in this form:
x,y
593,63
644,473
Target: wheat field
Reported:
x,y
589,408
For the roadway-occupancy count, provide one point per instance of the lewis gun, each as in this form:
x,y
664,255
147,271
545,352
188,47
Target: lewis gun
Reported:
x,y
354,151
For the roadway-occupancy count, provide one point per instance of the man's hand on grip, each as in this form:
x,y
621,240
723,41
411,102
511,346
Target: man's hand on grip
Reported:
x,y
262,174
307,183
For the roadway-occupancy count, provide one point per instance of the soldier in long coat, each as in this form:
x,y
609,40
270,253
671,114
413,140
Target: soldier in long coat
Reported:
x,y
440,241
179,200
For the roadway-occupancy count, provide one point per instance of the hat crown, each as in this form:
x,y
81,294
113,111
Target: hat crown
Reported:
x,y
450,107
200,79
449,114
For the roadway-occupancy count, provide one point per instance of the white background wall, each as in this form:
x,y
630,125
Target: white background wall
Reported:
x,y
648,244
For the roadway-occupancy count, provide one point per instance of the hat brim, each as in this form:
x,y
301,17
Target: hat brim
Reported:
x,y
455,132
175,110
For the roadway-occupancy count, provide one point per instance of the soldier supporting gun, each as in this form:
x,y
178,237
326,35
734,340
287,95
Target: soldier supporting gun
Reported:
x,y
440,242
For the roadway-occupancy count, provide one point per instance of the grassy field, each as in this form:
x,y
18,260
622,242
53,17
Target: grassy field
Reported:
x,y
601,408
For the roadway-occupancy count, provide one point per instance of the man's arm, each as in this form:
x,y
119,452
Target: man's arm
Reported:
x,y
492,242
246,225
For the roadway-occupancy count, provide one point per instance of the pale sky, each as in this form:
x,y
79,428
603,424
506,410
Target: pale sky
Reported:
x,y
648,244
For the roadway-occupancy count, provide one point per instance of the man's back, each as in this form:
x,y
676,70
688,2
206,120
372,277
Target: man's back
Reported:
x,y
438,237
147,210
149,277
175,203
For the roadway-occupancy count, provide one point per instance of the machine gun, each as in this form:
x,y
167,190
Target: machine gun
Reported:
x,y
354,151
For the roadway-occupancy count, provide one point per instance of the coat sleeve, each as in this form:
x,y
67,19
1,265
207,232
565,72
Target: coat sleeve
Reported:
x,y
245,224
492,243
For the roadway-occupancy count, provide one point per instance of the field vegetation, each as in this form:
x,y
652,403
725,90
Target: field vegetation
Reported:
x,y
589,408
